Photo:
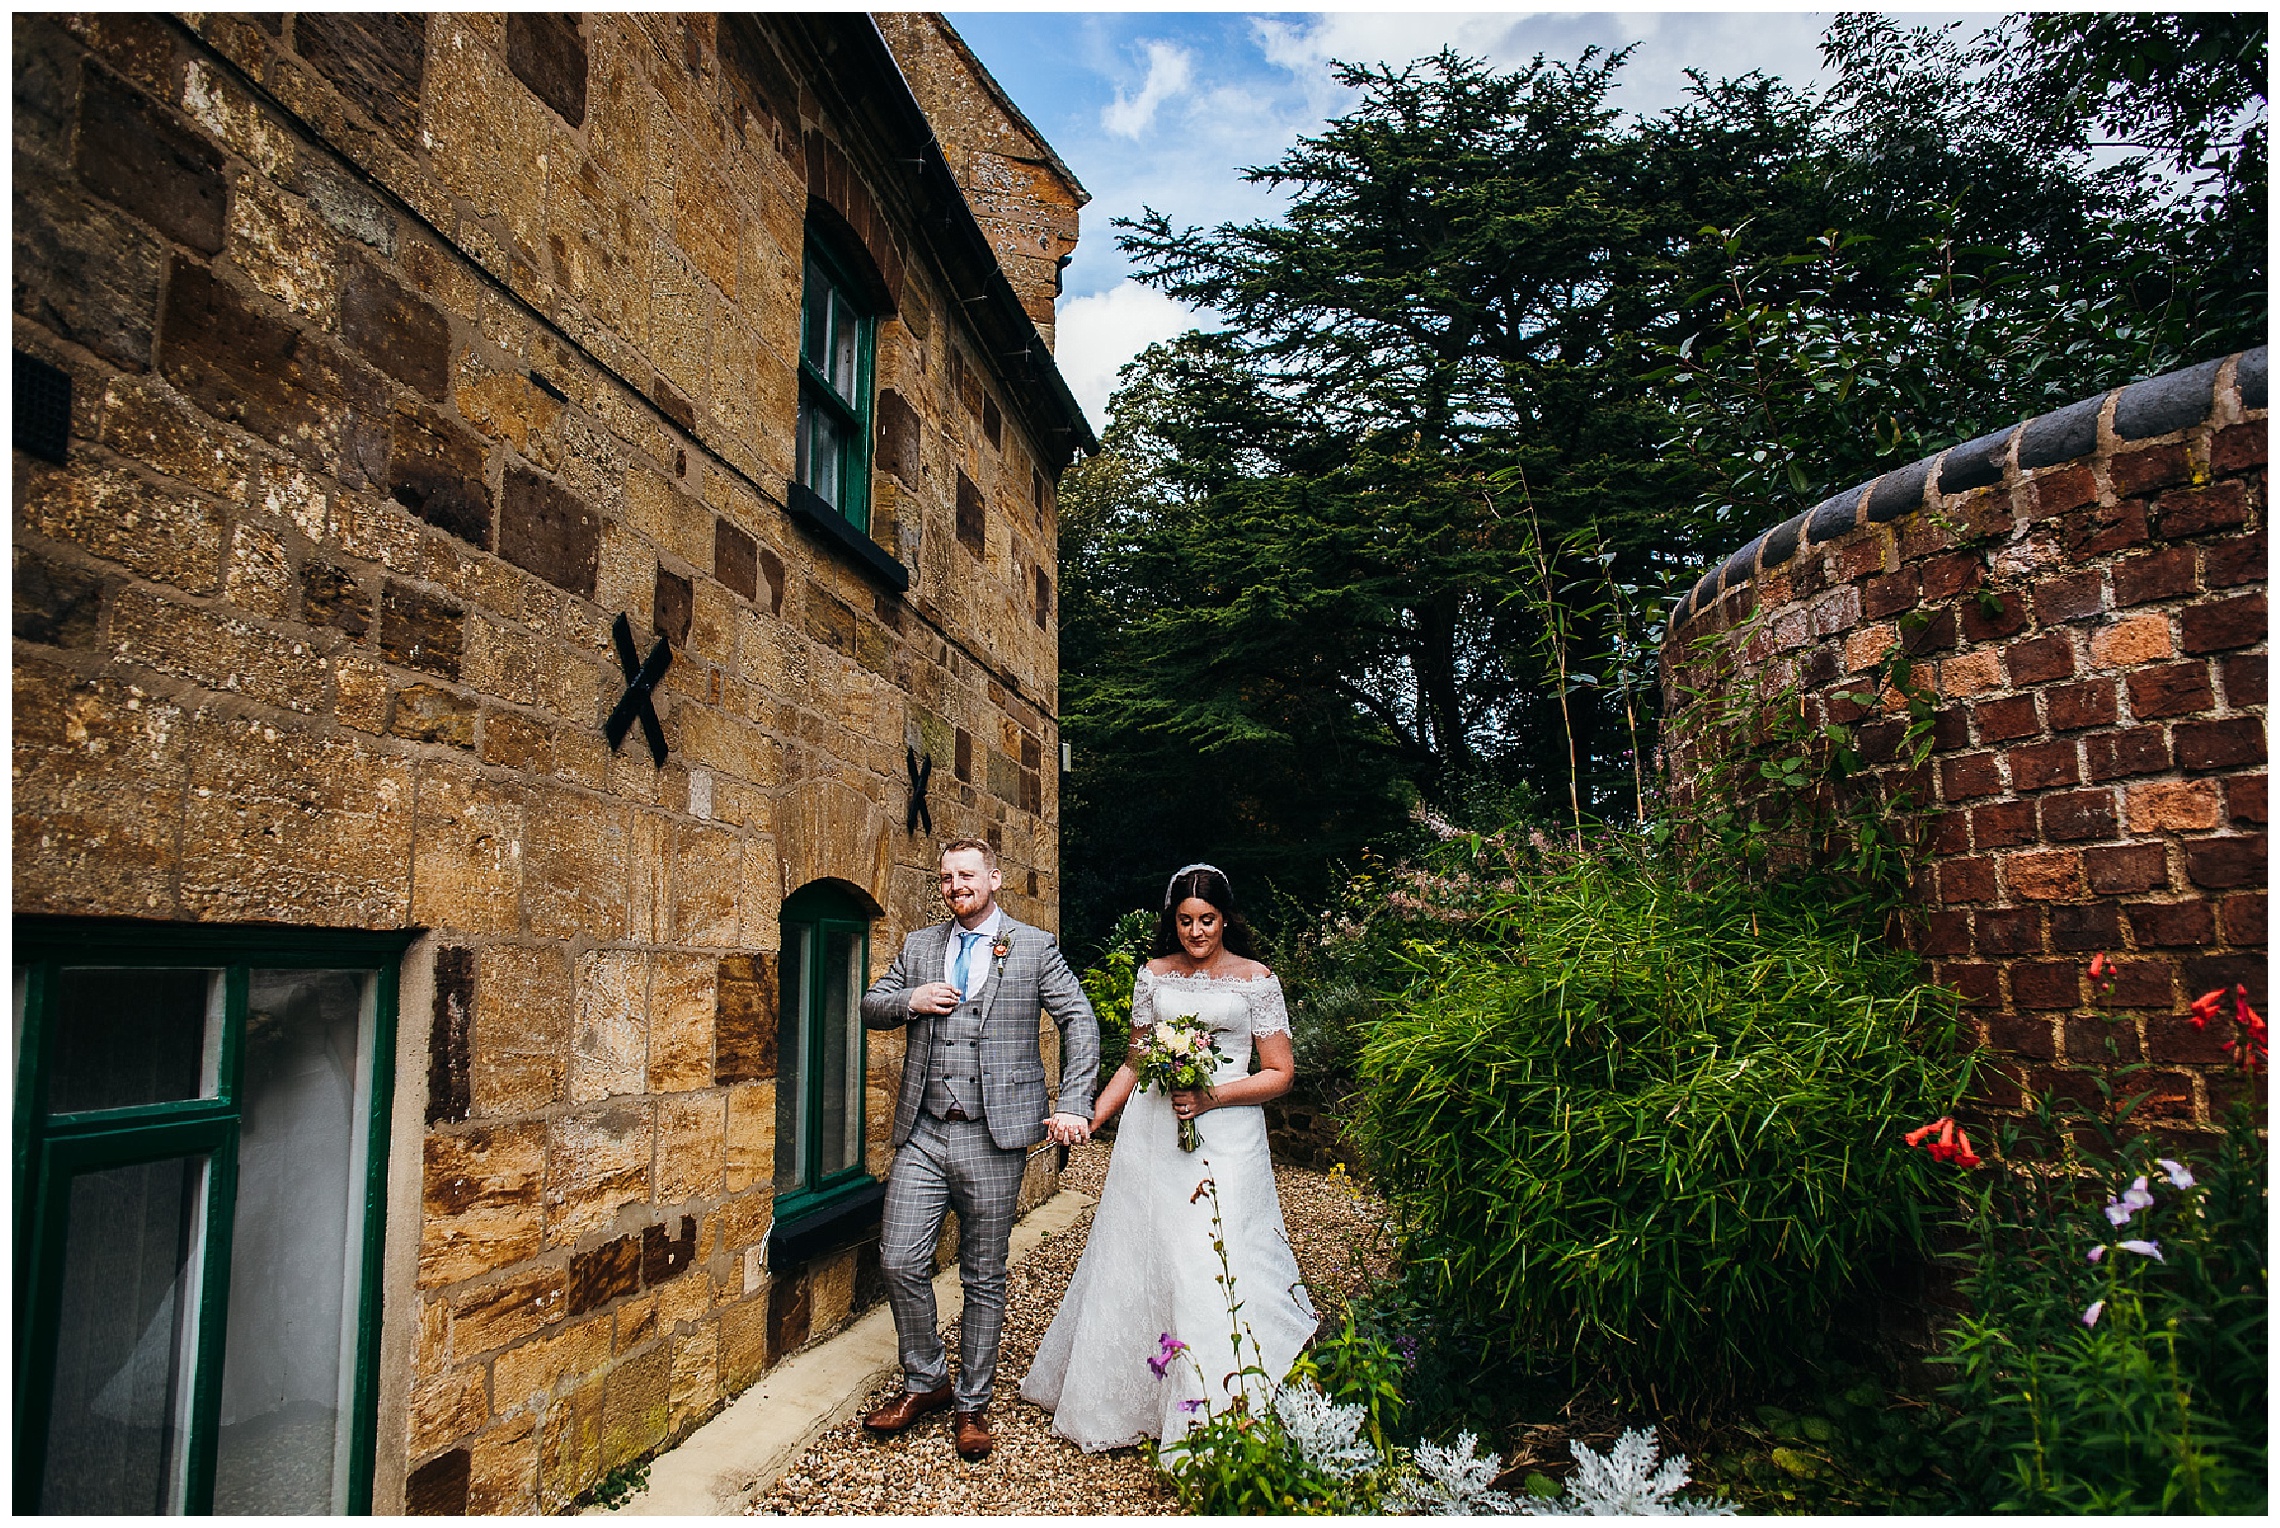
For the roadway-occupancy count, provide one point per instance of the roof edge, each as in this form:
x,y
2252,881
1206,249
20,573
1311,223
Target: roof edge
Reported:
x,y
998,94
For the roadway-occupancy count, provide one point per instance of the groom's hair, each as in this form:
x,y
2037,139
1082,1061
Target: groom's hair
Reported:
x,y
1209,885
980,846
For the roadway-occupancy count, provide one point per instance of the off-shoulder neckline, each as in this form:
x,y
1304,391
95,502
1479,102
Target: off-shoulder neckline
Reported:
x,y
1205,976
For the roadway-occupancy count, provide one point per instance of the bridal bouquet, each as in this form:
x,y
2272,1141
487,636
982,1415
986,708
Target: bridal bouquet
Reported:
x,y
1178,1053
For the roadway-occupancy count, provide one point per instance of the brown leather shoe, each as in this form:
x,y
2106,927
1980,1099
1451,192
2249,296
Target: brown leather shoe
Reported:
x,y
970,1430
907,1408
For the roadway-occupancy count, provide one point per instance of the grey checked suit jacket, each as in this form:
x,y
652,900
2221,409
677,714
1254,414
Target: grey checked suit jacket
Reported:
x,y
1034,975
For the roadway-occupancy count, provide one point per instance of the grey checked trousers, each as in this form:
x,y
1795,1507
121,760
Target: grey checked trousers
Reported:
x,y
946,1165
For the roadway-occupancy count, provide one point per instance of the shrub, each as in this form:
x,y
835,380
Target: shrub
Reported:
x,y
2135,1383
1644,1128
1108,987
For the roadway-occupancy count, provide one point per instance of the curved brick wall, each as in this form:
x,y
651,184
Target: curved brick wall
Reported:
x,y
2094,586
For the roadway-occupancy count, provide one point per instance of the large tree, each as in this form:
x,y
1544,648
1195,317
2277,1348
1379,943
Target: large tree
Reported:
x,y
1510,362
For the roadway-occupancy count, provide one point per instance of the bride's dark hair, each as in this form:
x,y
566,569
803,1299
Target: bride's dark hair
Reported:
x,y
1206,884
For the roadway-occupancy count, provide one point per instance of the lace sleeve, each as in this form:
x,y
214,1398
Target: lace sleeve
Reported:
x,y
1143,1000
1268,1015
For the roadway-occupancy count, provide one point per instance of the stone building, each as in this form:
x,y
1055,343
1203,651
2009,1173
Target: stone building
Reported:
x,y
394,396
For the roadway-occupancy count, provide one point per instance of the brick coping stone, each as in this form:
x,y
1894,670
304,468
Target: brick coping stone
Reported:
x,y
2163,405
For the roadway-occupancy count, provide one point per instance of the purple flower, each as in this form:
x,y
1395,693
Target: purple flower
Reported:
x,y
2097,1254
1168,1348
1407,1348
1192,1407
2134,1199
2090,1316
2179,1175
2144,1249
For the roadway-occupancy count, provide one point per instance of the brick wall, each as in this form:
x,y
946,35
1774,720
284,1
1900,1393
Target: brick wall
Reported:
x,y
406,353
2092,588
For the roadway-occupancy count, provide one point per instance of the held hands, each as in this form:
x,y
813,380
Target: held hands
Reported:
x,y
1067,1129
934,997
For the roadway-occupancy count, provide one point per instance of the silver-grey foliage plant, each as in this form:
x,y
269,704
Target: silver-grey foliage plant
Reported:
x,y
1626,1482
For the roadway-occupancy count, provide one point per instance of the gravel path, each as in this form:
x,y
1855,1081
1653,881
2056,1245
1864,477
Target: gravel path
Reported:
x,y
1337,1234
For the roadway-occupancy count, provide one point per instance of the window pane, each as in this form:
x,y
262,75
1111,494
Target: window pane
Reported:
x,y
826,451
297,1251
846,334
118,1415
125,1036
815,321
842,1058
791,1060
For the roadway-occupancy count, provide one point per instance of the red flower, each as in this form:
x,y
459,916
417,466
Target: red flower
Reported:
x,y
2210,1005
1950,1145
2259,1038
1963,1155
1916,1136
2099,965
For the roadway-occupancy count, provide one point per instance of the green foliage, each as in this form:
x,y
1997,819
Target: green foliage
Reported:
x,y
1456,1374
620,1485
1848,1442
1240,1462
1356,1367
1646,1129
1108,986
2160,1405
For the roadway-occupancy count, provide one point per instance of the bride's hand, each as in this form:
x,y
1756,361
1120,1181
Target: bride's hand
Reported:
x,y
1187,1103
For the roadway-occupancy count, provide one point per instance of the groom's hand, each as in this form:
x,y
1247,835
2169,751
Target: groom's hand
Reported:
x,y
1067,1129
934,997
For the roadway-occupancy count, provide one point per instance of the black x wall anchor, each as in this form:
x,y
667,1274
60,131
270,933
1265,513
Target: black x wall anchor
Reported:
x,y
921,771
641,676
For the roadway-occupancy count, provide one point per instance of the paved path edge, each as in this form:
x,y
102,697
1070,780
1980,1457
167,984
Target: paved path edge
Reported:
x,y
724,1466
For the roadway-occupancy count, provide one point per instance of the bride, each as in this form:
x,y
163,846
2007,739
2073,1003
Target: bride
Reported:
x,y
1108,1369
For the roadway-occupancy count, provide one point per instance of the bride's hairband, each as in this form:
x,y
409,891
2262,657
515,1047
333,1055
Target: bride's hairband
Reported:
x,y
1199,865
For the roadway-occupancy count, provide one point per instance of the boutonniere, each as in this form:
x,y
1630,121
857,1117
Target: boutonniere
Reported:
x,y
1002,948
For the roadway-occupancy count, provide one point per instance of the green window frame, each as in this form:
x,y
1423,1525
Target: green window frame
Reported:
x,y
822,1051
80,968
833,444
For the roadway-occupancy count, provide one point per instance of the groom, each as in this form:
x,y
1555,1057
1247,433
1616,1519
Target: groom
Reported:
x,y
973,1103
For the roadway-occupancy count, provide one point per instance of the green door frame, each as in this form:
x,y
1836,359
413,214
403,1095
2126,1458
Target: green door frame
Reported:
x,y
48,1149
826,909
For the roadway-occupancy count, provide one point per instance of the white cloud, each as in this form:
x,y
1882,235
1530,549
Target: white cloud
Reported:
x,y
1169,70
1720,44
1094,336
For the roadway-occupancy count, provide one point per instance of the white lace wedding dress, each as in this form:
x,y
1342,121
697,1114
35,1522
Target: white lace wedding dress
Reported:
x,y
1149,1268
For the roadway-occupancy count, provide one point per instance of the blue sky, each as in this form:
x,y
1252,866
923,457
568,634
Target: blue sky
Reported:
x,y
1163,108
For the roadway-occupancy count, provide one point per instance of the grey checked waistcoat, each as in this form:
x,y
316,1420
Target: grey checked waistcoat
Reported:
x,y
955,1075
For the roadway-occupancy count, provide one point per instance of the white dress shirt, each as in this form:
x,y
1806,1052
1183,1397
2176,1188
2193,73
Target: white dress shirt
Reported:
x,y
989,932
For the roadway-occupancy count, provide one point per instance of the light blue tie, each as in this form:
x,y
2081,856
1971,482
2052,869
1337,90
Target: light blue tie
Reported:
x,y
966,978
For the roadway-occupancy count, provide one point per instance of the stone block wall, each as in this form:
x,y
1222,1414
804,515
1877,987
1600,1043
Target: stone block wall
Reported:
x,y
1025,198
406,353
2091,588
